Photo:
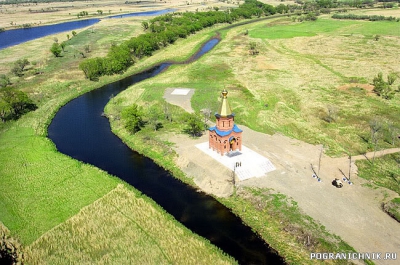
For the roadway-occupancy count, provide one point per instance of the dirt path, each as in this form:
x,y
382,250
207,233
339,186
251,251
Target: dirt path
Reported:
x,y
352,212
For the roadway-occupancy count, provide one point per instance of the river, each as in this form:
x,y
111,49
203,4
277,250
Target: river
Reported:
x,y
17,36
80,131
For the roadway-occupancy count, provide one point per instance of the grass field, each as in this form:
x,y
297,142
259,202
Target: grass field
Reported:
x,y
44,192
123,227
383,171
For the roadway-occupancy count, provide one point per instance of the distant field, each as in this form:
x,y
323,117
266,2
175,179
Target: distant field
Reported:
x,y
334,27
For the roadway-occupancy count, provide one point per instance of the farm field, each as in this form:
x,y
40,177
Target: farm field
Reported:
x,y
302,71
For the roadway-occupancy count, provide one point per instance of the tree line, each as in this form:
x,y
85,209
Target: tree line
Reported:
x,y
135,118
165,30
365,17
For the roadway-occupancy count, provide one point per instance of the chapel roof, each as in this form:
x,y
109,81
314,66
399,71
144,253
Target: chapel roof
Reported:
x,y
225,110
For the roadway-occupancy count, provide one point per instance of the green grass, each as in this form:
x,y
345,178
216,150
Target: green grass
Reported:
x,y
393,208
304,29
41,187
123,227
324,26
384,171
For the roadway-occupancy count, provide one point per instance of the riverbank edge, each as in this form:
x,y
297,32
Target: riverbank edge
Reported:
x,y
174,9
41,130
166,159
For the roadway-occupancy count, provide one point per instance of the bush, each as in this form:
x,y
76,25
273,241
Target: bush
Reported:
x,y
4,81
10,249
132,117
56,49
19,67
14,103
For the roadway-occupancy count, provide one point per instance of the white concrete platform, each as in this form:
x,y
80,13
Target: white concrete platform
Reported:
x,y
180,91
250,164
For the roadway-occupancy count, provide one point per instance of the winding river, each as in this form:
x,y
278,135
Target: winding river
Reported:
x,y
17,36
80,131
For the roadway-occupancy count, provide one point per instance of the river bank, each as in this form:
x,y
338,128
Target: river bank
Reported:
x,y
26,153
39,14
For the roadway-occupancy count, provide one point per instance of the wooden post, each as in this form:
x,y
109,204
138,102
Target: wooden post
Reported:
x,y
349,166
320,156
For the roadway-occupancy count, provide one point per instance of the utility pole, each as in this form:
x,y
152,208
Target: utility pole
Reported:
x,y
349,166
320,156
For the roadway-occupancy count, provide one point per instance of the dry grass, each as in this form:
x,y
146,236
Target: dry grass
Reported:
x,y
387,12
122,228
63,11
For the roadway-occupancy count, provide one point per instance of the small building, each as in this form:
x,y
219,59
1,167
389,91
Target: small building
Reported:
x,y
225,136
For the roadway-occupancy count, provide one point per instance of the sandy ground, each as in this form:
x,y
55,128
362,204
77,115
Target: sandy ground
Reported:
x,y
179,100
352,212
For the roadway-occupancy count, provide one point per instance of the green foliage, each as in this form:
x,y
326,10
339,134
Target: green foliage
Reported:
x,y
364,17
145,25
93,68
63,45
19,67
194,124
133,118
56,49
384,88
74,33
82,14
14,103
166,30
4,80
155,117
117,60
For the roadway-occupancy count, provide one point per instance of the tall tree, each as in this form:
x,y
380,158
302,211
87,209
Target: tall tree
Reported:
x,y
132,117
155,117
194,124
18,101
